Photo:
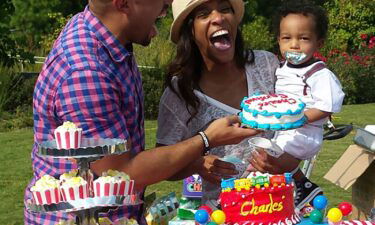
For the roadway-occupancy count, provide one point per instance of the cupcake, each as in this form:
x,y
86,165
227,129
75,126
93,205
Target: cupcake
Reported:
x,y
74,188
86,175
46,190
105,186
68,175
113,182
68,136
123,180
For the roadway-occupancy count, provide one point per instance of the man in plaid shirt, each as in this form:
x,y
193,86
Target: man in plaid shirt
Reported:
x,y
91,78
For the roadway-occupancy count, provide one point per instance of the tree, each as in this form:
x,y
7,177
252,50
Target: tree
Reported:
x,y
31,19
8,48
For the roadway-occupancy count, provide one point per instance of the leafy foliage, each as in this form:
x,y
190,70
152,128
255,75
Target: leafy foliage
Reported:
x,y
33,18
355,70
47,40
257,35
161,50
15,89
153,89
153,61
349,19
31,21
9,51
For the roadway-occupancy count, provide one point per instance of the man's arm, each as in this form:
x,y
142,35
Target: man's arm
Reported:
x,y
92,99
189,170
152,166
209,167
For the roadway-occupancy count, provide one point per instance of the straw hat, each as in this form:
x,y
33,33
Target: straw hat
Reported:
x,y
182,8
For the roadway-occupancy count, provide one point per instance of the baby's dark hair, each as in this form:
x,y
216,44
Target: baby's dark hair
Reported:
x,y
305,8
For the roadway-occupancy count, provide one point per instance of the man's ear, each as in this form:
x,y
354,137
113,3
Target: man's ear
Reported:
x,y
122,5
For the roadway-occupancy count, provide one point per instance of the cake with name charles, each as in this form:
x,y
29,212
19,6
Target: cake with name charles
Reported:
x,y
272,112
259,199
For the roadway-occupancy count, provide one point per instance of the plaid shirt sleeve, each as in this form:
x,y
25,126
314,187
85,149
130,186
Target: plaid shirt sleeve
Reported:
x,y
92,100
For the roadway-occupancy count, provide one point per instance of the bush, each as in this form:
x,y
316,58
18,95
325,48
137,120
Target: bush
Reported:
x,y
161,50
21,117
47,40
153,87
348,19
355,70
153,61
16,90
256,35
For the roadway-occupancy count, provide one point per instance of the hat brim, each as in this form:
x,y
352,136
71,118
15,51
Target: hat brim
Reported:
x,y
238,7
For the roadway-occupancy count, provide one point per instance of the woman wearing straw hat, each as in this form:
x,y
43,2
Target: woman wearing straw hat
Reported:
x,y
208,78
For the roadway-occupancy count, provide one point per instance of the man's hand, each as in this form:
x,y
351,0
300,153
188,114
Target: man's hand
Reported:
x,y
227,131
212,169
265,163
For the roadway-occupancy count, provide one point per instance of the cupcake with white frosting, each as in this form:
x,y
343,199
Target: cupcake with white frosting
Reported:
x,y
46,190
105,186
74,188
68,136
113,182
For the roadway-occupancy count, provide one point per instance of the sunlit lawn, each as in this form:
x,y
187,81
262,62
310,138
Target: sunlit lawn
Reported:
x,y
15,166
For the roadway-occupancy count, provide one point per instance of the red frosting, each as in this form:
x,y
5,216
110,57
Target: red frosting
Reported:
x,y
264,205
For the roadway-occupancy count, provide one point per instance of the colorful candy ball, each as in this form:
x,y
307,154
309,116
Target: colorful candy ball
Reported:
x,y
320,202
346,208
201,216
212,223
218,216
316,216
207,208
334,215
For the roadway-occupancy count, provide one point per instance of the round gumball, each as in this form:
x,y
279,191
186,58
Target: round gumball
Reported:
x,y
346,208
218,217
334,215
320,202
201,216
212,223
207,208
316,216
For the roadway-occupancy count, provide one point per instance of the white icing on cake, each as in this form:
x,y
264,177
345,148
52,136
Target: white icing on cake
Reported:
x,y
272,112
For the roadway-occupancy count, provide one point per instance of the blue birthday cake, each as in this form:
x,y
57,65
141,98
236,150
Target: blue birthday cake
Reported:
x,y
272,112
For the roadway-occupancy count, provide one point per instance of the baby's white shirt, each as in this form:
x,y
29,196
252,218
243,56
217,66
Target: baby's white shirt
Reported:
x,y
324,90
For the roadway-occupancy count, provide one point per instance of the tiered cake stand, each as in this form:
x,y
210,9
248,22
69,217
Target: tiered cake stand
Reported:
x,y
90,150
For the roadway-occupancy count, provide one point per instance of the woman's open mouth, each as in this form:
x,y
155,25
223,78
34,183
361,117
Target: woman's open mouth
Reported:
x,y
221,40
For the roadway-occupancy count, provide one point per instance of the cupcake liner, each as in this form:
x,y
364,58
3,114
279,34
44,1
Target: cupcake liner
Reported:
x,y
126,187
47,197
74,193
118,188
68,139
105,189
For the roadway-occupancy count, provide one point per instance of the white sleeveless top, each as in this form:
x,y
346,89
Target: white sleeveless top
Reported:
x,y
173,115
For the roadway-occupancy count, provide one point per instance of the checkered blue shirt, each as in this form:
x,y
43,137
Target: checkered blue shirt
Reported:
x,y
88,78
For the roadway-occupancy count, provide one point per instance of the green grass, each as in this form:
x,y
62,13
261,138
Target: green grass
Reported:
x,y
15,166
